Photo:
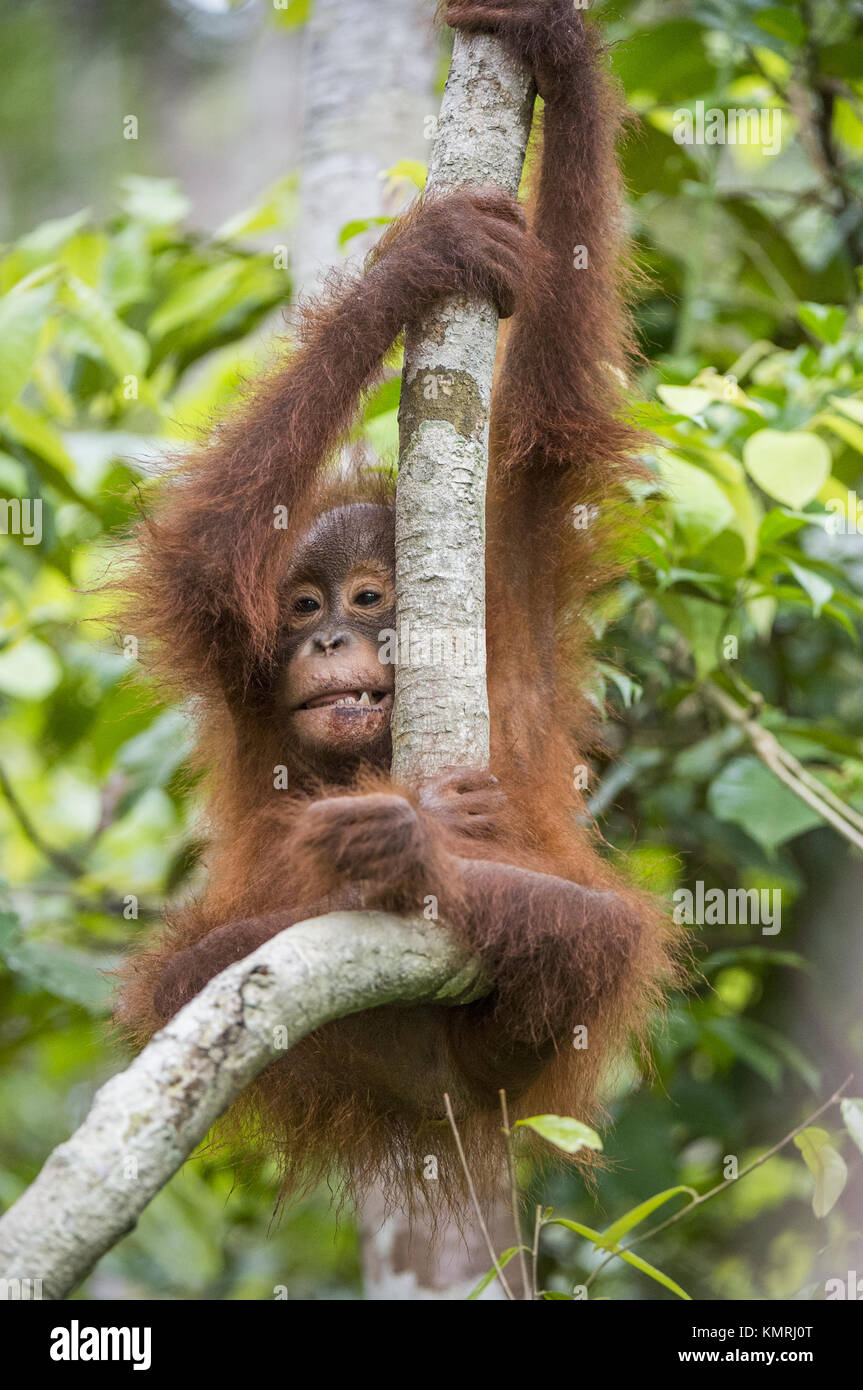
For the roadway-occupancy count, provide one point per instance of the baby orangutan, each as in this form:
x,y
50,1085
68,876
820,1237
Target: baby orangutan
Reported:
x,y
278,634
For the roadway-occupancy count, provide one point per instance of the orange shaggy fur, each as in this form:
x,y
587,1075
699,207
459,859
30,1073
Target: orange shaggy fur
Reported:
x,y
564,938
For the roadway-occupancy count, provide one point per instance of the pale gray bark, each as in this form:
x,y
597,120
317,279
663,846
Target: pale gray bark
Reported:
x,y
146,1120
402,1264
441,713
441,706
369,78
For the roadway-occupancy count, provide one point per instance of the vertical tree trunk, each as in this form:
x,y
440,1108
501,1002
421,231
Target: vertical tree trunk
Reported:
x,y
403,1264
441,713
441,706
369,77
369,83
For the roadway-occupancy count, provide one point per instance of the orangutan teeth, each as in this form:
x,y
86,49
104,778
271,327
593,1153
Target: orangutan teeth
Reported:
x,y
367,699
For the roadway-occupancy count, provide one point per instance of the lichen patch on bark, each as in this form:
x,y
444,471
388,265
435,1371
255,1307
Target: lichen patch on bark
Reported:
x,y
456,401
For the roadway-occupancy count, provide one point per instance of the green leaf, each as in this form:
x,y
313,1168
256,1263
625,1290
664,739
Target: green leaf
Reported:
x,y
785,1049
128,268
702,623
753,955
292,14
791,466
612,1236
125,351
51,459
691,401
589,1234
359,225
154,755
60,971
597,1239
824,321
782,24
700,505
382,434
384,399
850,406
852,1114
564,1132
702,760
157,202
747,794
40,247
748,514
215,381
727,390
762,614
197,297
848,430
65,973
826,1166
276,207
670,60
491,1274
629,689
653,1273
815,586
732,1032
22,317
411,169
29,670
777,524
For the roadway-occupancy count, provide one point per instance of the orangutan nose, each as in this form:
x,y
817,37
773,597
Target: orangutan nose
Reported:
x,y
327,643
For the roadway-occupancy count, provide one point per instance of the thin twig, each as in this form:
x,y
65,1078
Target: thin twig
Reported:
x,y
110,801
106,903
755,700
773,755
816,127
477,1208
721,1186
818,786
513,1186
66,863
536,1230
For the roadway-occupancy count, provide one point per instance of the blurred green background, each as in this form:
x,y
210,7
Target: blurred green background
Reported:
x,y
137,288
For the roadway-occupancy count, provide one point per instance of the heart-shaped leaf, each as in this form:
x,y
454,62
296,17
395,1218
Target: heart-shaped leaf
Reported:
x,y
791,466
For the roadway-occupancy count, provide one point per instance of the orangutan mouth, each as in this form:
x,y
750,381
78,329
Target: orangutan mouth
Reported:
x,y
363,699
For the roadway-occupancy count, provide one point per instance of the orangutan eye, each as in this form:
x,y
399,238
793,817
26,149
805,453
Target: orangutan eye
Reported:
x,y
366,597
306,604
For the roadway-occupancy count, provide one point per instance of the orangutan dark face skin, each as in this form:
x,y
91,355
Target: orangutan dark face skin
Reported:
x,y
337,597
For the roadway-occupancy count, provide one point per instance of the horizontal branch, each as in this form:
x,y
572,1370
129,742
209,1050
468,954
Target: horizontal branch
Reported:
x,y
146,1121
